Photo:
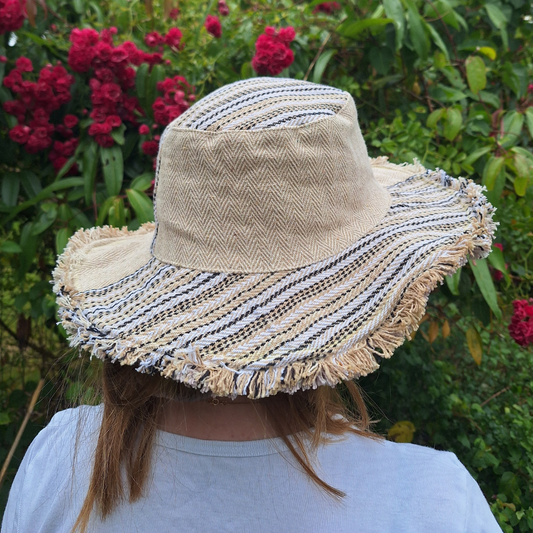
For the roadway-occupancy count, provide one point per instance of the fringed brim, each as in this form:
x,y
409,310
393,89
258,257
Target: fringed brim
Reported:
x,y
260,334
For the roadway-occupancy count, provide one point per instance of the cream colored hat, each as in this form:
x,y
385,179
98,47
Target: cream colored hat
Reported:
x,y
282,256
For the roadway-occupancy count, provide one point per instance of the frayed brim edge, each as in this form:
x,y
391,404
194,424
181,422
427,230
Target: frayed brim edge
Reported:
x,y
360,360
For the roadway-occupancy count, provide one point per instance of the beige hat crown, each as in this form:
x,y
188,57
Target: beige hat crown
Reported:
x,y
264,175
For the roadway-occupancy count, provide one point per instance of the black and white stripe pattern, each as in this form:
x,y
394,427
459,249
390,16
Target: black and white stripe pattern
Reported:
x,y
260,103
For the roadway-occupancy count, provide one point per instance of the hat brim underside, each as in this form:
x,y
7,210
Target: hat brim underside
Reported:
x,y
260,334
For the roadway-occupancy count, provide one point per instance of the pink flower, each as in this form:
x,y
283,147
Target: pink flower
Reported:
x,y
174,12
20,134
212,25
3,59
144,130
521,326
150,147
153,39
272,51
327,7
223,8
24,64
173,38
11,15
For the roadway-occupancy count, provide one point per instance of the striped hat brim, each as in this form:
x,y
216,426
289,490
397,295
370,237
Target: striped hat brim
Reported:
x,y
260,334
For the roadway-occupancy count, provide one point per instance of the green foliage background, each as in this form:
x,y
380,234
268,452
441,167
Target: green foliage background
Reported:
x,y
443,81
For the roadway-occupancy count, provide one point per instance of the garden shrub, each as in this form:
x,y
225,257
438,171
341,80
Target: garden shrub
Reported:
x,y
87,88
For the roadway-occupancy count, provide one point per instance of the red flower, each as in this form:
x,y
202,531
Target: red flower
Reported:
x,y
114,121
272,51
223,8
111,92
24,64
11,15
153,39
144,130
173,38
70,121
521,327
3,59
150,147
212,25
174,12
327,7
104,140
499,246
20,134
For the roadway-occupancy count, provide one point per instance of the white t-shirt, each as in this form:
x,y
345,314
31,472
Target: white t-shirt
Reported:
x,y
212,486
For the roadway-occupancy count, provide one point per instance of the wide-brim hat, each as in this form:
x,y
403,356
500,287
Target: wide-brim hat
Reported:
x,y
282,257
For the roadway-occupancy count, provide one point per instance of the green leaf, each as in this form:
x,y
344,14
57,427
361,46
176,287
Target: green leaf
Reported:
x,y
521,184
113,167
475,345
487,51
45,220
512,128
142,182
453,282
434,117
499,20
476,154
438,40
495,258
62,237
417,31
529,120
321,64
476,74
90,165
103,210
141,83
352,29
485,284
28,243
118,134
142,205
4,419
30,182
491,171
454,122
10,188
116,215
65,168
10,247
157,75
78,6
394,11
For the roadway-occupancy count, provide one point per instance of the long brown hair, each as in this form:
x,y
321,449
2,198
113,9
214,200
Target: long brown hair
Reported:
x,y
132,403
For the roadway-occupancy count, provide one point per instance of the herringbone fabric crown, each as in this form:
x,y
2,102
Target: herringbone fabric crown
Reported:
x,y
282,257
288,196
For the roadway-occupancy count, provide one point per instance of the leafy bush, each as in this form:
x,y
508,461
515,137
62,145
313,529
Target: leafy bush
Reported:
x,y
442,81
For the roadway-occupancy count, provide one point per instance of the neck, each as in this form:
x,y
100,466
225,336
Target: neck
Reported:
x,y
238,420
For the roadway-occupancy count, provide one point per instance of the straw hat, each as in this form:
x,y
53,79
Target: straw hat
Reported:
x,y
282,256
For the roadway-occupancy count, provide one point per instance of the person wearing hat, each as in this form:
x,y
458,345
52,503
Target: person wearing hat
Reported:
x,y
283,264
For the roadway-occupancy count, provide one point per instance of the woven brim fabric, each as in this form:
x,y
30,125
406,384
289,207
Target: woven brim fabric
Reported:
x,y
260,334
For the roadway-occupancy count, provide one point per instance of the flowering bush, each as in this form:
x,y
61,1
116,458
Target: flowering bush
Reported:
x,y
87,90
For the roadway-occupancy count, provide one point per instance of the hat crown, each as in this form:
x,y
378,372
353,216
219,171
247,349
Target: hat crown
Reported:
x,y
264,175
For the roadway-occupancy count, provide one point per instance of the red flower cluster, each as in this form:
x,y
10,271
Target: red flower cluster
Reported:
x,y
34,103
177,95
12,14
327,7
272,51
521,327
172,39
223,8
212,25
113,76
174,12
